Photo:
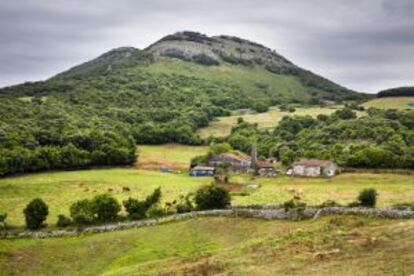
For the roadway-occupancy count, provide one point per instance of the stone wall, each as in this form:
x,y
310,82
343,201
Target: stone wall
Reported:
x,y
269,212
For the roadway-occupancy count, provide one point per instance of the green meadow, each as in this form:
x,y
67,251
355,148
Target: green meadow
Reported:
x,y
221,127
334,245
61,189
391,102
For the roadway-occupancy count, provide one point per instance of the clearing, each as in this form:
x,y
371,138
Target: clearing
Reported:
x,y
221,127
391,102
346,245
173,156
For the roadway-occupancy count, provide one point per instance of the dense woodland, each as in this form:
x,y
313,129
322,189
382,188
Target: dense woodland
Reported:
x,y
381,139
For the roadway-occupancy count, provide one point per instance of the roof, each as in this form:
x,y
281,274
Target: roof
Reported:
x,y
263,164
234,156
203,168
313,163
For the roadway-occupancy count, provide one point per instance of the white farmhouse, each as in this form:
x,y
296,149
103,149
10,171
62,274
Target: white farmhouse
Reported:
x,y
314,168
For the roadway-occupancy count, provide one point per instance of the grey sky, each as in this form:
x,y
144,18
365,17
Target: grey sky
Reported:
x,y
366,45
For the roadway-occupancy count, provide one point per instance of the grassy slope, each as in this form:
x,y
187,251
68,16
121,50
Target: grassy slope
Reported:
x,y
242,76
222,126
170,155
16,192
209,246
391,102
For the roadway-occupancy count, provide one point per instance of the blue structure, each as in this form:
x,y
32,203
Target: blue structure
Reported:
x,y
202,171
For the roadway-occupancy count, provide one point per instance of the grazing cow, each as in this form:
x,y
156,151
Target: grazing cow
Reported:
x,y
126,189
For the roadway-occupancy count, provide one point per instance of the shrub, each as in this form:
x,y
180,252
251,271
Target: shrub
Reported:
x,y
368,197
63,221
291,109
156,212
105,207
212,197
82,212
138,209
184,205
35,213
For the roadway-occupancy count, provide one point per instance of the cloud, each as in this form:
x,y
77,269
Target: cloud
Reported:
x,y
366,45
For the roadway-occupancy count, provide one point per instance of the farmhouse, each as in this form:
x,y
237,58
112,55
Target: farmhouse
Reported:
x,y
238,162
202,171
314,168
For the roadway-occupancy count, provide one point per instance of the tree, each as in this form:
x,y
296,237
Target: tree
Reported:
x,y
36,213
82,211
212,197
105,207
368,197
345,114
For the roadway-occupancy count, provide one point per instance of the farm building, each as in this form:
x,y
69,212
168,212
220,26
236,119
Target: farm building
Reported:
x,y
314,168
238,162
202,171
265,168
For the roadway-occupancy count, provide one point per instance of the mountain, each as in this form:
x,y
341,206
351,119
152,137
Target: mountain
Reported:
x,y
93,113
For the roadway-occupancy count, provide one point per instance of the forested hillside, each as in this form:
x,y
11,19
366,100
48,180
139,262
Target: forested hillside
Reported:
x,y
382,139
94,113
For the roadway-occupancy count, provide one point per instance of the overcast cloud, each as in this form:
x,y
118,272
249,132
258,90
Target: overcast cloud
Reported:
x,y
366,45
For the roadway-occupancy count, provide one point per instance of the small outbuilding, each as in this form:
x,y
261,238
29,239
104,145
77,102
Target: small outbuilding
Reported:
x,y
314,168
202,171
265,168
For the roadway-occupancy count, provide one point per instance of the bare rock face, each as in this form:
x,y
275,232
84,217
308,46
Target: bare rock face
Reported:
x,y
191,46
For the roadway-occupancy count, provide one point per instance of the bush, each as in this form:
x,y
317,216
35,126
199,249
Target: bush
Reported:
x,y
63,221
138,209
291,109
212,197
105,207
156,212
35,213
82,212
184,205
368,197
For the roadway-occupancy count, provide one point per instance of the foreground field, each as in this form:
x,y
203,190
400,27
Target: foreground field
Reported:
x,y
173,156
391,102
344,245
61,189
270,119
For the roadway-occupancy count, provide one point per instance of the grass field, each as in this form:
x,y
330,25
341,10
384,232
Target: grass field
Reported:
x,y
344,245
222,126
170,155
61,189
391,102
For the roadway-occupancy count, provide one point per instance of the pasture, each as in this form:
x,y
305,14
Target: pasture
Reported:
x,y
61,189
391,102
345,245
221,127
174,156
